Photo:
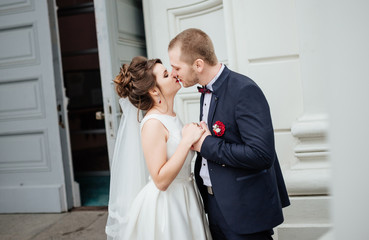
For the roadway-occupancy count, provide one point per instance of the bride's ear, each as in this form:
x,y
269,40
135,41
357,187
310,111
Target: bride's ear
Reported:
x,y
154,92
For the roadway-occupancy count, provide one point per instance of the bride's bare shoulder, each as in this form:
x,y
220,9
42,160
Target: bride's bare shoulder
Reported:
x,y
153,128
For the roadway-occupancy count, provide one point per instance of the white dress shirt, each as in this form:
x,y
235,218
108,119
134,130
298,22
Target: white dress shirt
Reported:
x,y
204,171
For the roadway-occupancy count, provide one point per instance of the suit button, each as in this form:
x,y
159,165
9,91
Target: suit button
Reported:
x,y
223,165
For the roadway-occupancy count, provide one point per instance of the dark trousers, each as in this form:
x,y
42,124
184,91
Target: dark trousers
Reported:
x,y
220,229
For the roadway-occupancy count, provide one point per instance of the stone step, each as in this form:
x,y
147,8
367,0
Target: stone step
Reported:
x,y
307,218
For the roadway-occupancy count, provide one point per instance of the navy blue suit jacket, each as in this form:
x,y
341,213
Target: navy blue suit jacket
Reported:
x,y
244,170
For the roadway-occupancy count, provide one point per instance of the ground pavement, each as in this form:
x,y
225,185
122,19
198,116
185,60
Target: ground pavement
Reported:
x,y
80,223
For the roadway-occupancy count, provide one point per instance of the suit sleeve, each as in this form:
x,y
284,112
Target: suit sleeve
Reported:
x,y
256,152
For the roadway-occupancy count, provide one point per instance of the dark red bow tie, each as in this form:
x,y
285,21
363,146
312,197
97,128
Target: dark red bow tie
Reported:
x,y
203,89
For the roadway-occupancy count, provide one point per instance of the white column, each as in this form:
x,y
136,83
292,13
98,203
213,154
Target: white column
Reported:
x,y
310,175
347,41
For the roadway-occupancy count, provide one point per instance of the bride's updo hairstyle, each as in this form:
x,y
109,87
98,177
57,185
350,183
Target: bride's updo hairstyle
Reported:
x,y
135,80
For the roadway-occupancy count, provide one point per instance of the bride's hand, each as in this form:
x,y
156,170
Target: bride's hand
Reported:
x,y
192,132
197,145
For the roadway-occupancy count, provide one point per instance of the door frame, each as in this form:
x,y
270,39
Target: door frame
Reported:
x,y
71,186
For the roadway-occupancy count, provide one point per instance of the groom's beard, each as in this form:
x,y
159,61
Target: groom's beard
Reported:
x,y
192,80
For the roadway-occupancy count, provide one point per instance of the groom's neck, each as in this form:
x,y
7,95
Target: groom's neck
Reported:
x,y
209,73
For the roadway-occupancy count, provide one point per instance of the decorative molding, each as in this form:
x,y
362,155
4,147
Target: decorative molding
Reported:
x,y
128,36
307,181
16,6
148,27
210,16
274,59
121,62
34,157
311,173
183,104
25,198
230,35
313,126
24,39
138,43
175,15
24,95
312,148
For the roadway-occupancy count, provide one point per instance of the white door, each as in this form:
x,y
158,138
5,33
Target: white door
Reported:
x,y
120,36
31,157
164,19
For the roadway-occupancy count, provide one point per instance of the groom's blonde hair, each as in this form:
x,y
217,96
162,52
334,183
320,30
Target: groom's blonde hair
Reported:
x,y
194,44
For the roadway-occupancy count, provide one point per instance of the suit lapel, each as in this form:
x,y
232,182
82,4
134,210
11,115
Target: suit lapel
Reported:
x,y
201,103
217,92
213,105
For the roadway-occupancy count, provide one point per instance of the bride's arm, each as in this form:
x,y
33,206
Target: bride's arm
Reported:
x,y
154,142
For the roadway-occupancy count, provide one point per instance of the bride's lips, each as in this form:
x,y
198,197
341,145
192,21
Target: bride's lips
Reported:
x,y
177,79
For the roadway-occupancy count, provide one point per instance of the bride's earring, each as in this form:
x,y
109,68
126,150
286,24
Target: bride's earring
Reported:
x,y
159,100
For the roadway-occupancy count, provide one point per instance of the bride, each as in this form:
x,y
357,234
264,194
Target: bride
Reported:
x,y
168,205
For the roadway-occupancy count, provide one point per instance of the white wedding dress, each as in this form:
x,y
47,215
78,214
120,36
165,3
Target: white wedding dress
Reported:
x,y
176,213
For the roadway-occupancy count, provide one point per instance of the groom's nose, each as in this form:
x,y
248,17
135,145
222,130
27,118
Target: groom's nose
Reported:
x,y
175,75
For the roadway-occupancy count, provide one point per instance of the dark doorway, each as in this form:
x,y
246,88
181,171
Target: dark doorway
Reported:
x,y
78,41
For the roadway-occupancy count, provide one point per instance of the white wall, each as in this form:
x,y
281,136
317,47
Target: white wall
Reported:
x,y
282,45
346,43
276,44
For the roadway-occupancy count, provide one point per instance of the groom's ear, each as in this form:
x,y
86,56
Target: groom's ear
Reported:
x,y
198,65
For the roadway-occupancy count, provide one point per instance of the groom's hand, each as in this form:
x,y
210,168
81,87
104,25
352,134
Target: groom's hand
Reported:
x,y
197,146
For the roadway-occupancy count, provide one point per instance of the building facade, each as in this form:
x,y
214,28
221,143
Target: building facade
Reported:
x,y
288,47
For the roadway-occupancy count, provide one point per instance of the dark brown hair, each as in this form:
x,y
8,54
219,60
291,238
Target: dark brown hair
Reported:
x,y
195,44
135,80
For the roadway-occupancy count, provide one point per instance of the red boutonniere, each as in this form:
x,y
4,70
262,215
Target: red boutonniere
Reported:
x,y
218,128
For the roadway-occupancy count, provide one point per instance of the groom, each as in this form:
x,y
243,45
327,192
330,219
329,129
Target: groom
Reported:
x,y
237,169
